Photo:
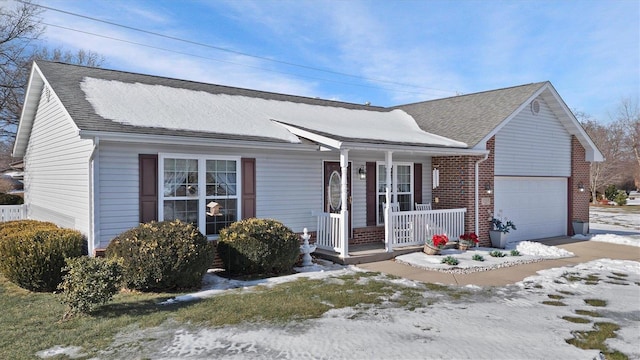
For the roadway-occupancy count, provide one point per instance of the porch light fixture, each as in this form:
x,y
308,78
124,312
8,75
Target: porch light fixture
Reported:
x,y
488,189
362,173
580,187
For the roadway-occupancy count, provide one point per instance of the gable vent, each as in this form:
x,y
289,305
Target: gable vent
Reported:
x,y
535,107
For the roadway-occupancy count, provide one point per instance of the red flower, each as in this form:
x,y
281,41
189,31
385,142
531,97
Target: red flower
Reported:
x,y
470,237
439,240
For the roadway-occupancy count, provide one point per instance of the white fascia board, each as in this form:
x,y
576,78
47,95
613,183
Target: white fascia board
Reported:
x,y
592,153
322,140
197,141
427,150
29,109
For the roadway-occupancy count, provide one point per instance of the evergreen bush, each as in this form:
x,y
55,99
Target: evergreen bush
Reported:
x,y
33,257
10,199
258,246
88,283
621,198
162,256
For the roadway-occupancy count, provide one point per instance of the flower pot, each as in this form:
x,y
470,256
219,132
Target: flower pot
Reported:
x,y
498,239
463,247
430,250
580,227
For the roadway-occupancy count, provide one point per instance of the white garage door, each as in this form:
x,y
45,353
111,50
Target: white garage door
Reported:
x,y
536,205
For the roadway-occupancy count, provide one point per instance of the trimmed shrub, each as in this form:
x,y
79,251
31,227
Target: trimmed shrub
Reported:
x,y
11,227
258,246
10,199
162,256
88,283
33,258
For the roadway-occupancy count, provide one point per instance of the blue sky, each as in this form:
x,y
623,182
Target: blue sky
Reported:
x,y
395,52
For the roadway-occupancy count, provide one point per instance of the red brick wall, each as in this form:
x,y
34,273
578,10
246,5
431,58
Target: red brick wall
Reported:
x,y
457,188
579,175
367,235
486,174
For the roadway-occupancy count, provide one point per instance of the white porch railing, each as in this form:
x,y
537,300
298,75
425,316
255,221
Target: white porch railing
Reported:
x,y
408,228
328,233
12,212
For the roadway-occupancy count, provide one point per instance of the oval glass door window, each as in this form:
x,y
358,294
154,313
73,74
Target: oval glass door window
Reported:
x,y
335,200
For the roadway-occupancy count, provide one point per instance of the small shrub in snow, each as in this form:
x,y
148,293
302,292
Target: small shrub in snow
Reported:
x,y
515,252
32,256
497,253
450,260
477,257
162,256
621,198
88,283
258,246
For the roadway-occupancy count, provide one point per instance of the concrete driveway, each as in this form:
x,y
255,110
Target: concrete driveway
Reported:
x,y
584,251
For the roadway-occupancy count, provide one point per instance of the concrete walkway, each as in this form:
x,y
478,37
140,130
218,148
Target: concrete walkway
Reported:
x,y
584,251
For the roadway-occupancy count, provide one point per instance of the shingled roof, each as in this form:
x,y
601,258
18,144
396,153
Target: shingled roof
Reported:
x,y
469,118
66,80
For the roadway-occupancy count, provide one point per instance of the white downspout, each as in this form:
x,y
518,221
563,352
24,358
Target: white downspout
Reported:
x,y
93,201
477,194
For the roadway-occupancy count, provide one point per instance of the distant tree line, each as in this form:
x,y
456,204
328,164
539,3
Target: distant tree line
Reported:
x,y
619,142
20,30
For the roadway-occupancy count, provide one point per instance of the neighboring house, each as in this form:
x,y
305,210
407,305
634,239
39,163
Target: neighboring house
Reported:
x,y
105,150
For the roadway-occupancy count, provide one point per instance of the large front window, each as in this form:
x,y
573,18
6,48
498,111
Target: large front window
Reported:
x,y
401,187
190,183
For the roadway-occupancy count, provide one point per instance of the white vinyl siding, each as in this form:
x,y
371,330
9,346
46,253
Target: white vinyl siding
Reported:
x,y
533,145
289,185
57,169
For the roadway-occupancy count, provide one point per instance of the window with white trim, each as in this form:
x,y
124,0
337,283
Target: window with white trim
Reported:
x,y
401,187
189,182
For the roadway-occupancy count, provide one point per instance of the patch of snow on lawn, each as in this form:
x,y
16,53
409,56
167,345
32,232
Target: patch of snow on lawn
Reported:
x,y
617,239
511,322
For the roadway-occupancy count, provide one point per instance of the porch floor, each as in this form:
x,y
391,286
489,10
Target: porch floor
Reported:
x,y
365,253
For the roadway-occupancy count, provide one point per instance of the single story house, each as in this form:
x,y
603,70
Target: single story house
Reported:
x,y
105,150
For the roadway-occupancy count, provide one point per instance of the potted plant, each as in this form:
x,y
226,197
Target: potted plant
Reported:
x,y
467,240
580,227
501,227
435,244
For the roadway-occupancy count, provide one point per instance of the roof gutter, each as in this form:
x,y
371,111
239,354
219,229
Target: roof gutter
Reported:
x,y
196,141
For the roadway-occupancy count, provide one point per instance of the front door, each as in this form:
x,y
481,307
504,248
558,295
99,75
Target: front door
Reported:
x,y
332,182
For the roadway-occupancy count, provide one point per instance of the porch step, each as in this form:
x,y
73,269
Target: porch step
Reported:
x,y
360,254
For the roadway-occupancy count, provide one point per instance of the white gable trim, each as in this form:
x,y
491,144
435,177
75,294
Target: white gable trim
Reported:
x,y
566,117
37,82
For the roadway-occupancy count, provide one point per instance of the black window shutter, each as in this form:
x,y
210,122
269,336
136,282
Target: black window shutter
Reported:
x,y
417,182
372,211
148,192
248,166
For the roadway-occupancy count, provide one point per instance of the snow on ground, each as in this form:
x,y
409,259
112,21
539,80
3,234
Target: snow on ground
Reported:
x,y
503,323
507,323
613,218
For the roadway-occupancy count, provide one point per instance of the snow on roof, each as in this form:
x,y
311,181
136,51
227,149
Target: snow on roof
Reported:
x,y
160,106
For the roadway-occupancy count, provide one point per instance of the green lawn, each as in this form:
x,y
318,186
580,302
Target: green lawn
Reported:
x,y
31,322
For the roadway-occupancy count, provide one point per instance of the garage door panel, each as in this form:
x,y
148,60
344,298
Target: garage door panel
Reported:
x,y
537,206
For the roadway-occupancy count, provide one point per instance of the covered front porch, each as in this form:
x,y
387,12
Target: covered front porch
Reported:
x,y
392,185
404,231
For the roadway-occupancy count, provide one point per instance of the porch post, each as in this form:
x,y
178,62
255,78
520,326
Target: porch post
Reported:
x,y
388,236
344,213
